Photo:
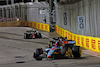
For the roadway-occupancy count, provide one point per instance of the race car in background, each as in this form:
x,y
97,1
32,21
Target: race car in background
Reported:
x,y
32,34
67,49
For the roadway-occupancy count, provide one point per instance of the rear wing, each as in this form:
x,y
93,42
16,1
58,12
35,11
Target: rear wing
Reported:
x,y
31,31
60,37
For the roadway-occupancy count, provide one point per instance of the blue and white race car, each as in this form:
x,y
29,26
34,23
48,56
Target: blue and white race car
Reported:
x,y
64,49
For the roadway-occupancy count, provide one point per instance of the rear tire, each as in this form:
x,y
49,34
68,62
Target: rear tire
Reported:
x,y
40,36
76,50
36,35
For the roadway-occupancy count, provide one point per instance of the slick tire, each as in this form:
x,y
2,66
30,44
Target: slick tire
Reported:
x,y
36,57
76,50
37,53
40,36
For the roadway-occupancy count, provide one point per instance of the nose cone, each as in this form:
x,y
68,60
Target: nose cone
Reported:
x,y
48,56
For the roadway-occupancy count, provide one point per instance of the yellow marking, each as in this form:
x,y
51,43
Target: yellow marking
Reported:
x,y
55,52
69,53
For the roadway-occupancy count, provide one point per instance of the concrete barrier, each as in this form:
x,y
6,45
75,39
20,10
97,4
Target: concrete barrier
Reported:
x,y
37,25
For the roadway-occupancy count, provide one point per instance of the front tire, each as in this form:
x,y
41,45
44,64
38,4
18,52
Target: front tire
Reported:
x,y
36,56
38,52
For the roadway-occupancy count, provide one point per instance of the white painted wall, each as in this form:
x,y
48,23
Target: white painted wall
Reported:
x,y
88,8
33,12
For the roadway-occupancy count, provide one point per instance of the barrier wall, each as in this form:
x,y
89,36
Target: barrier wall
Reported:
x,y
37,25
9,24
89,9
40,26
91,43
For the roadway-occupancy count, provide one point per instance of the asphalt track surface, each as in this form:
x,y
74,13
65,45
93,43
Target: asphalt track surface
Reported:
x,y
15,51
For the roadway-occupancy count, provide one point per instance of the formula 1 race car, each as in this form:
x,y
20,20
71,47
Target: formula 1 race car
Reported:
x,y
66,50
32,34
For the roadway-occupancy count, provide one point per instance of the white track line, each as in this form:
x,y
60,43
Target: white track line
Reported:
x,y
90,54
30,28
90,66
47,37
